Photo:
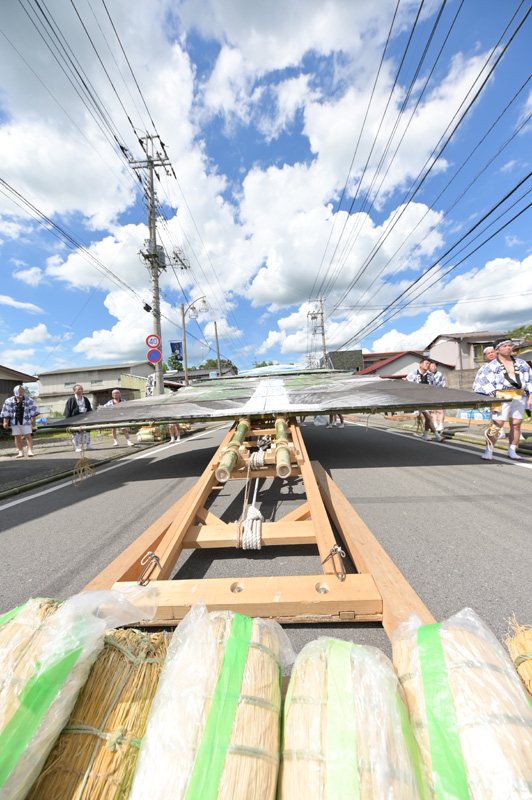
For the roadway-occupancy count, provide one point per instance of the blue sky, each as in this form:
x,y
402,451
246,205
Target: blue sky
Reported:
x,y
312,164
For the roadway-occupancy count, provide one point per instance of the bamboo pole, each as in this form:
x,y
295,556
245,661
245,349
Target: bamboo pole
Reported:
x,y
230,457
282,451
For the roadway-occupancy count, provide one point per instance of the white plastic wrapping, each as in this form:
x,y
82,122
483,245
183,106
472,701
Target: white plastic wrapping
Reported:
x,y
176,748
346,732
469,711
40,679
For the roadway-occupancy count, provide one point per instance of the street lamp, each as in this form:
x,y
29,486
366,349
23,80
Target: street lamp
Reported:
x,y
193,315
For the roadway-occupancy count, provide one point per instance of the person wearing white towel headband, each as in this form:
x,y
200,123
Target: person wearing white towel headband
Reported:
x,y
20,411
510,379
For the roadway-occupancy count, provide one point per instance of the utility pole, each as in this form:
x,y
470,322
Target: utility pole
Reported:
x,y
319,327
153,254
217,349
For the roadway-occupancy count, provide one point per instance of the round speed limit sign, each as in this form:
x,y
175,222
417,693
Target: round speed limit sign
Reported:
x,y
153,340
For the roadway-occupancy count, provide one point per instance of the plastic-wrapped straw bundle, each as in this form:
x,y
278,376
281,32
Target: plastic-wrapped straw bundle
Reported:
x,y
469,711
346,732
96,754
519,643
213,729
40,681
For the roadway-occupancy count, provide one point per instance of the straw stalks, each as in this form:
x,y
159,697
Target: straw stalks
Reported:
x,y
96,754
20,644
493,716
252,761
519,643
343,732
177,750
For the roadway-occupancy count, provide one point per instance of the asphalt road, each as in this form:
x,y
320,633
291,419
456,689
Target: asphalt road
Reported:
x,y
457,527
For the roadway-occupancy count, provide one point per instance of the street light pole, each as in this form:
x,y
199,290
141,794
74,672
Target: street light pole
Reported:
x,y
217,349
184,343
183,312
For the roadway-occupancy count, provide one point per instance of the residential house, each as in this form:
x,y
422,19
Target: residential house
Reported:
x,y
344,359
56,386
399,365
9,378
465,351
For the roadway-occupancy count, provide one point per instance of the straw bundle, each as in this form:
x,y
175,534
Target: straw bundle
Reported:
x,y
96,755
519,643
346,731
469,712
213,730
43,671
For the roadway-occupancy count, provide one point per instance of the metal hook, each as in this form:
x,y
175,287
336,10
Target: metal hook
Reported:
x,y
337,551
150,560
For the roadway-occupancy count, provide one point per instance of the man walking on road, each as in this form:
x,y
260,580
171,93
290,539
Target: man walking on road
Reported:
x,y
510,379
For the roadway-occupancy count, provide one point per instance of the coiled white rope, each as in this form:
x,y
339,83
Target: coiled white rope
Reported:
x,y
252,529
256,459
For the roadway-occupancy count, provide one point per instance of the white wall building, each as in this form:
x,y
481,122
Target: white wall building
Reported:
x,y
57,386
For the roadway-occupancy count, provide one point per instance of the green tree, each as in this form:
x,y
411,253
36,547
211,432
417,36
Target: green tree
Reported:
x,y
173,363
263,363
523,332
212,363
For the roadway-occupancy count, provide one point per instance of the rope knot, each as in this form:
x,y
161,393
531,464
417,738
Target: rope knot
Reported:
x,y
115,739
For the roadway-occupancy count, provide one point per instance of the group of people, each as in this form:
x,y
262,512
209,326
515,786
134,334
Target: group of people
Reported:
x,y
509,378
503,376
428,373
20,413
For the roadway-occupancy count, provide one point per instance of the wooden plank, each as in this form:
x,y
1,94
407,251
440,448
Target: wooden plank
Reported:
x,y
399,599
297,515
169,548
126,566
322,527
263,472
273,533
297,596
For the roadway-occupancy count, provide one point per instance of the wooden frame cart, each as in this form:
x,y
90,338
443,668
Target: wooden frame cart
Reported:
x,y
376,592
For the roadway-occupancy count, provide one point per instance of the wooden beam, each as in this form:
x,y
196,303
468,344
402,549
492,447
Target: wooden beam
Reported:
x,y
322,527
169,547
299,514
264,472
398,597
208,518
293,598
127,566
226,535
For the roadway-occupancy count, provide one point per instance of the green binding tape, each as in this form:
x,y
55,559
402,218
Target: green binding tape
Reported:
x,y
210,758
35,700
342,758
448,767
11,614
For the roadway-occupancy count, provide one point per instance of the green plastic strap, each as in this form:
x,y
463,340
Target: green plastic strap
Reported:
x,y
448,767
35,700
212,751
11,614
411,744
342,758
